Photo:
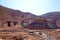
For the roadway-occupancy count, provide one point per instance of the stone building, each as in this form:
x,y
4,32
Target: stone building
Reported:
x,y
9,22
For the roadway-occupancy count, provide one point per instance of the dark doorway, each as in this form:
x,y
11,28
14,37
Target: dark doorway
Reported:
x,y
15,23
9,23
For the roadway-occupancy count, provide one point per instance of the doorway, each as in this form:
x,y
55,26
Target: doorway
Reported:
x,y
15,23
8,23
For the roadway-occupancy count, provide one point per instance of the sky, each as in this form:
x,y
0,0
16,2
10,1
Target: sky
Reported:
x,y
37,7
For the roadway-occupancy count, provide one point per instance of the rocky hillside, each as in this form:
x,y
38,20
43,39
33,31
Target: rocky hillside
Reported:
x,y
7,12
15,15
52,15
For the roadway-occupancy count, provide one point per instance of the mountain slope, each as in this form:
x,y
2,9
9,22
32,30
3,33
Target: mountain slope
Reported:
x,y
7,12
52,15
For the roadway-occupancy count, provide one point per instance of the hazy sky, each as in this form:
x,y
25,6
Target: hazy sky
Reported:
x,y
36,7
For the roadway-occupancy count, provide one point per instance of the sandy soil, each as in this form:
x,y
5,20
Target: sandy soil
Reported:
x,y
46,34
